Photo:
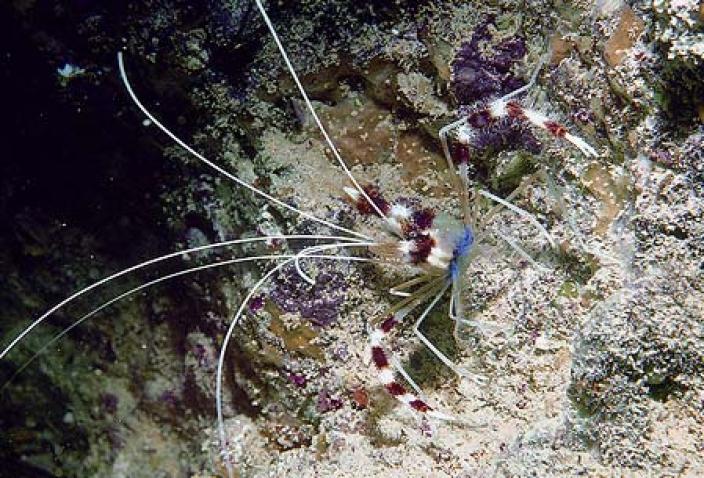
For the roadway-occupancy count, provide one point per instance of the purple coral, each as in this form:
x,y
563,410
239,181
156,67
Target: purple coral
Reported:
x,y
297,379
507,135
227,21
319,302
479,77
256,303
326,402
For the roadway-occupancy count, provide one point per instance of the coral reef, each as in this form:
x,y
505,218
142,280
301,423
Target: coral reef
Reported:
x,y
320,302
681,29
482,70
591,353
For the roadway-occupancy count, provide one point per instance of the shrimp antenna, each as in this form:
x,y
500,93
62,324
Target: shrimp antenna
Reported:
x,y
319,123
219,169
159,280
144,264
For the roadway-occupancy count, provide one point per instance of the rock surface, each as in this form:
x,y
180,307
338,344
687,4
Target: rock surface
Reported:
x,y
592,352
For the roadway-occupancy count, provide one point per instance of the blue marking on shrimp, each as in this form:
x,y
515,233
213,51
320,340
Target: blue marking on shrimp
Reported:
x,y
462,247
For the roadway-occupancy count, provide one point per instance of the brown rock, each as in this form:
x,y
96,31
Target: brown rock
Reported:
x,y
360,397
560,48
629,28
610,191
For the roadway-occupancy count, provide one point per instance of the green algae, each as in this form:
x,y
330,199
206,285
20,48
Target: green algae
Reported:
x,y
422,365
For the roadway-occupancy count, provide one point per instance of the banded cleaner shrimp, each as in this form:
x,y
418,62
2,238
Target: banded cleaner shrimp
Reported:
x,y
445,258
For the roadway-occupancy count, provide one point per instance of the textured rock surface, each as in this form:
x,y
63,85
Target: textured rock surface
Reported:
x,y
593,359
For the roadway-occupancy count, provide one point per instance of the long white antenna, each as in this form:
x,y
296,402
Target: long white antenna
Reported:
x,y
306,253
223,353
339,159
219,169
231,329
141,265
158,280
521,213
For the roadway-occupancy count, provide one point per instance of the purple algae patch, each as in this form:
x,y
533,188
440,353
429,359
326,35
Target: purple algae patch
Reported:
x,y
379,357
320,302
459,153
507,135
326,402
388,324
480,118
256,303
479,76
297,379
482,73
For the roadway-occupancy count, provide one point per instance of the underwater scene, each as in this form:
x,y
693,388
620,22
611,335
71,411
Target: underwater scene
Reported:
x,y
334,238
